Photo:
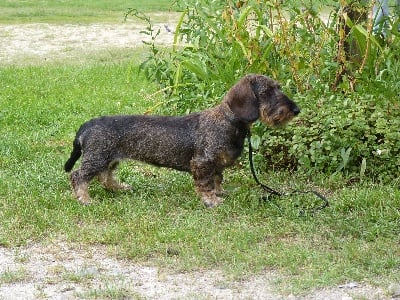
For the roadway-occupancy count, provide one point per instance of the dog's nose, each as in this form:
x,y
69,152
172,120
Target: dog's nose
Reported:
x,y
296,111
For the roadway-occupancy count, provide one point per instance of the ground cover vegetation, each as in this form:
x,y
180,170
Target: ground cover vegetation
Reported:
x,y
162,221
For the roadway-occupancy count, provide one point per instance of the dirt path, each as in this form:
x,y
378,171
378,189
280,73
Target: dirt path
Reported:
x,y
38,42
64,271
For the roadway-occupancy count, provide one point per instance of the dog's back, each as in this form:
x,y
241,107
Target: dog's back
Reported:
x,y
159,140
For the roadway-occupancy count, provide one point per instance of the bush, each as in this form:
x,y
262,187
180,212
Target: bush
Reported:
x,y
353,135
350,110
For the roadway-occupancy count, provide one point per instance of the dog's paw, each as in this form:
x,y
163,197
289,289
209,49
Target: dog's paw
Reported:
x,y
86,201
81,193
212,201
125,187
115,186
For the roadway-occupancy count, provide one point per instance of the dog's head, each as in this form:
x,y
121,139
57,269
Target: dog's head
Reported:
x,y
259,97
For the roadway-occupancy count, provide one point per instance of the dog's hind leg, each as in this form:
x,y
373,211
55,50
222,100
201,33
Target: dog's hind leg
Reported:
x,y
80,187
93,164
107,179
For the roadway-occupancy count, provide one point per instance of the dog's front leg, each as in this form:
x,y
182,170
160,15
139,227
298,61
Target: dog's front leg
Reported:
x,y
203,172
218,178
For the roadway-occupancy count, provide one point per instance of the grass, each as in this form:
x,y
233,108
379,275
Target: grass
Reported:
x,y
13,276
163,221
72,11
109,291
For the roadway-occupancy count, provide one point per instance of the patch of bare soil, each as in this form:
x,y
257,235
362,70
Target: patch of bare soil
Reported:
x,y
24,43
69,271
64,271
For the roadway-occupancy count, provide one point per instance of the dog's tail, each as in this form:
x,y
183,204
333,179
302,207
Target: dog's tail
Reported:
x,y
75,154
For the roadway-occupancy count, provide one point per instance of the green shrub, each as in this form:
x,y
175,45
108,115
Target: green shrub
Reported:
x,y
350,105
356,136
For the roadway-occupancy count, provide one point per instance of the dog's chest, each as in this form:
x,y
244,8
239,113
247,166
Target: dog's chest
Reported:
x,y
230,147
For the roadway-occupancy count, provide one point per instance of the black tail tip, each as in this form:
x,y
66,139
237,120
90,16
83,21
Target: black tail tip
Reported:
x,y
68,166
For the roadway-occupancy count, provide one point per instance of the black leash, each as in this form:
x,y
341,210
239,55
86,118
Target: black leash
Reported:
x,y
273,192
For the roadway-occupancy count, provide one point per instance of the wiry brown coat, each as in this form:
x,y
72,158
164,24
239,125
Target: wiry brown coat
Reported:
x,y
202,143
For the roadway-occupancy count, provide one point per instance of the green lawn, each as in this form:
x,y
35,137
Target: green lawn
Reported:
x,y
72,11
163,221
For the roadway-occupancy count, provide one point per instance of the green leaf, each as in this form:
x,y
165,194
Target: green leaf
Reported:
x,y
196,68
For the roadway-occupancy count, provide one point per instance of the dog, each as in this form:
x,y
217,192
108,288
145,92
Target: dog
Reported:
x,y
202,143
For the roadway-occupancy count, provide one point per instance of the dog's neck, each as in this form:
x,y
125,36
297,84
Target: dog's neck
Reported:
x,y
227,112
230,116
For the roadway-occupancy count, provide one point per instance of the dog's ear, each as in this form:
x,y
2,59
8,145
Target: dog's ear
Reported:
x,y
242,101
